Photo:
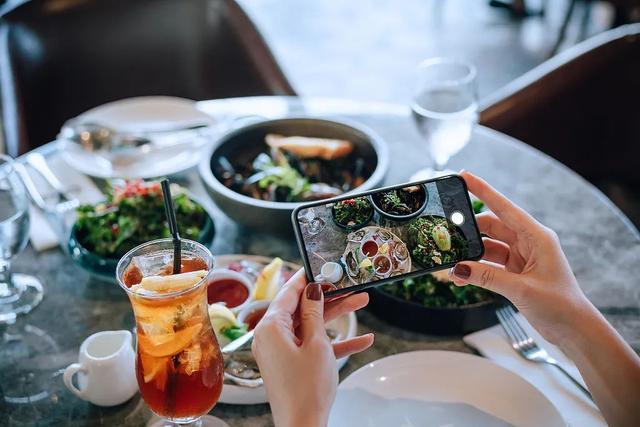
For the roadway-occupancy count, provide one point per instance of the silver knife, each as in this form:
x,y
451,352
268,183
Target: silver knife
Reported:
x,y
237,343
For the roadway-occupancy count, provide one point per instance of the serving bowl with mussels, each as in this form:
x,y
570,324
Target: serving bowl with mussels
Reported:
x,y
259,173
401,204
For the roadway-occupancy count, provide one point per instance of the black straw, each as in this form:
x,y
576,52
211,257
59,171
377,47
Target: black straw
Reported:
x,y
173,226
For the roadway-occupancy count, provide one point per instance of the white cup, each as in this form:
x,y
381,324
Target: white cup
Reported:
x,y
329,272
106,369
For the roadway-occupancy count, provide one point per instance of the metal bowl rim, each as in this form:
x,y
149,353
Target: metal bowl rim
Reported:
x,y
379,146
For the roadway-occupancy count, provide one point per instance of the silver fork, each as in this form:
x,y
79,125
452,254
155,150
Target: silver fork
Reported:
x,y
65,202
526,346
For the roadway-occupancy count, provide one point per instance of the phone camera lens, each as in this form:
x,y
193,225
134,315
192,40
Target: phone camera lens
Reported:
x,y
457,218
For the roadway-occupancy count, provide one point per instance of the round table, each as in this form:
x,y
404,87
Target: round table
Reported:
x,y
602,245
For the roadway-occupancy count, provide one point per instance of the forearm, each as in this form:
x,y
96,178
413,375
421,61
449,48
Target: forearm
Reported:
x,y
608,365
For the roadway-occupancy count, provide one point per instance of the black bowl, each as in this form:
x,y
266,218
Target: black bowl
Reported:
x,y
401,218
242,145
105,267
354,227
434,320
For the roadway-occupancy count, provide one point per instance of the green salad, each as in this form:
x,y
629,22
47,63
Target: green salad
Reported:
x,y
433,241
352,212
431,292
133,214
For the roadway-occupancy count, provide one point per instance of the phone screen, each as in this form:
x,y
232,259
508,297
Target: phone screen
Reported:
x,y
388,234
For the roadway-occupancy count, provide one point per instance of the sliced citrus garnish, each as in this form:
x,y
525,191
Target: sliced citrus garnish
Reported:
x,y
172,282
162,345
155,368
269,281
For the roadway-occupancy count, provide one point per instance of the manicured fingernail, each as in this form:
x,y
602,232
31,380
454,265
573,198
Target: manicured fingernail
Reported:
x,y
314,292
462,271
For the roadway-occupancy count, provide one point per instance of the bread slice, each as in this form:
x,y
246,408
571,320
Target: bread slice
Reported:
x,y
307,147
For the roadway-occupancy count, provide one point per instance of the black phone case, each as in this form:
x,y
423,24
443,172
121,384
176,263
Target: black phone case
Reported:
x,y
358,288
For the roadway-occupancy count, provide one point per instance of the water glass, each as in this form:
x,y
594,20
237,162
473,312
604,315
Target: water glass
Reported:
x,y
19,293
445,109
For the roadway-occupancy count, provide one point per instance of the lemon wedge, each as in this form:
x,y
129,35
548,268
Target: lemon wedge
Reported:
x,y
221,317
366,263
269,280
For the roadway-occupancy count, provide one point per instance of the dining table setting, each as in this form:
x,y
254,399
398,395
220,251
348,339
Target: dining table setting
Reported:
x,y
91,347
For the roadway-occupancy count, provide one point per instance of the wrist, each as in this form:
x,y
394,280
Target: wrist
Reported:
x,y
584,320
300,416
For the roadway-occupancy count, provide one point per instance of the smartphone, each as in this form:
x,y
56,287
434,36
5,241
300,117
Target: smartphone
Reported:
x,y
371,238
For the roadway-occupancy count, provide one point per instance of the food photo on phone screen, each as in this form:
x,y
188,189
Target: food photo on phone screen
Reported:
x,y
384,234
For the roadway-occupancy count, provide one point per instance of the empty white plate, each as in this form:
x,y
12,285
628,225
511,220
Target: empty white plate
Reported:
x,y
145,115
439,388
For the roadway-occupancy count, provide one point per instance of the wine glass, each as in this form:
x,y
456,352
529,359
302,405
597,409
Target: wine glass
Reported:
x,y
313,223
19,293
445,110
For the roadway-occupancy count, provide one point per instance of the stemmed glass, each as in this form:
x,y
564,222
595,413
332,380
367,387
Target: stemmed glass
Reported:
x,y
445,110
313,223
19,293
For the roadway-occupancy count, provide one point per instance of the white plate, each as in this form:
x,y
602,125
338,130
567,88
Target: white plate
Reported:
x,y
144,115
439,388
147,114
346,326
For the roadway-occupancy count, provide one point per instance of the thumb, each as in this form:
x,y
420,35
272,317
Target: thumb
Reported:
x,y
485,276
312,311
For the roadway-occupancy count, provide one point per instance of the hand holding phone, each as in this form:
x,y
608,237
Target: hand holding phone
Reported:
x,y
384,235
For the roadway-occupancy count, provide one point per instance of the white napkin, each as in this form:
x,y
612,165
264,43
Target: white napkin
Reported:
x,y
571,402
42,233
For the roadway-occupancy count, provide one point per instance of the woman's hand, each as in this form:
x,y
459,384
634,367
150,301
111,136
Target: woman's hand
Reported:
x,y
295,356
526,265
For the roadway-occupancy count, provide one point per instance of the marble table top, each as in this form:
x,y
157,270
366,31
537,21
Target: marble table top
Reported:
x,y
601,244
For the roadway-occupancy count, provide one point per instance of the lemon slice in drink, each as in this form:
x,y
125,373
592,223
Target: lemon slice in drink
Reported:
x,y
155,368
269,280
162,345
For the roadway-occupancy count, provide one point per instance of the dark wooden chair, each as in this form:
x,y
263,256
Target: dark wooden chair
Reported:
x,y
59,58
583,108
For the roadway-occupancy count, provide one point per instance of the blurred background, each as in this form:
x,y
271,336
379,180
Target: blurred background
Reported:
x,y
579,59
368,49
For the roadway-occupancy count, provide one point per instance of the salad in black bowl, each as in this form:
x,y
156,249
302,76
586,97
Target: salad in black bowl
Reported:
x,y
352,214
132,214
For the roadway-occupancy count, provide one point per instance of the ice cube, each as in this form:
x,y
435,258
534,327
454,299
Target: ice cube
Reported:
x,y
152,264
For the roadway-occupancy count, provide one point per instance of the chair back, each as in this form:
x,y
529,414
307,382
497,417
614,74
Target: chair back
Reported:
x,y
59,58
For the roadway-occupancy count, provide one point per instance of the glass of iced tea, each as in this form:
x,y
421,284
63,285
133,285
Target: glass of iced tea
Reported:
x,y
179,366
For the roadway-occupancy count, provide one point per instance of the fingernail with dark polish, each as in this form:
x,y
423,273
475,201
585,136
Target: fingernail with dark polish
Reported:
x,y
462,271
314,292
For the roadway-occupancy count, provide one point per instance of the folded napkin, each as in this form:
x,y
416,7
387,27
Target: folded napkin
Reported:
x,y
571,402
45,232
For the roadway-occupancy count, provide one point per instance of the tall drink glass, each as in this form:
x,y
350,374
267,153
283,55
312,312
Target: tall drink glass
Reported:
x,y
179,366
